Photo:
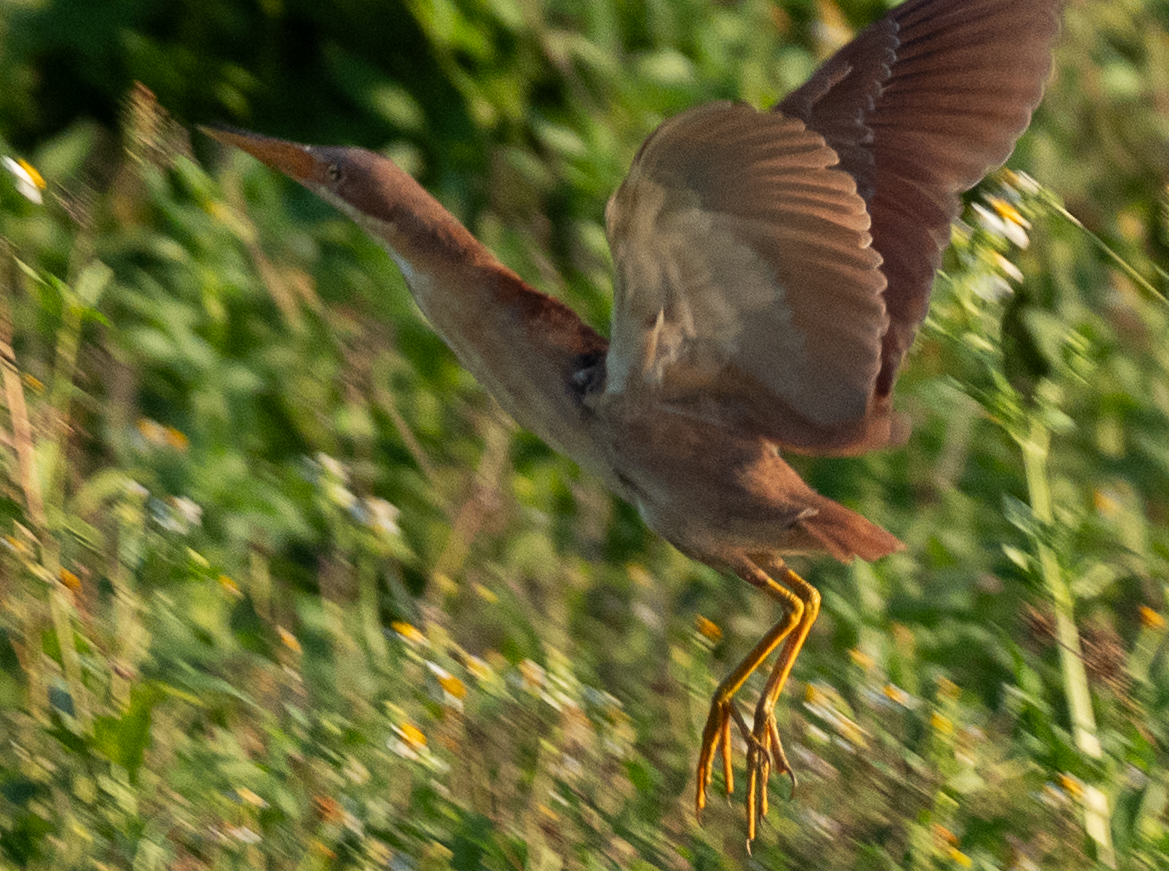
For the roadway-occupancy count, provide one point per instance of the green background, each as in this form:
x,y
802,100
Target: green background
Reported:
x,y
261,533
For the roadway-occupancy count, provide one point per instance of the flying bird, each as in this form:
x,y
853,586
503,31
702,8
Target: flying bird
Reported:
x,y
772,270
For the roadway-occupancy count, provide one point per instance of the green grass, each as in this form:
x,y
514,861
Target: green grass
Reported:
x,y
280,587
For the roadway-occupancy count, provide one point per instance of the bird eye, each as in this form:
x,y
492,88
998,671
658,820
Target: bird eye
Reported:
x,y
335,173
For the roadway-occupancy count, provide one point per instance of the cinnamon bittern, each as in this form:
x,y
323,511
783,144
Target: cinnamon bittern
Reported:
x,y
772,269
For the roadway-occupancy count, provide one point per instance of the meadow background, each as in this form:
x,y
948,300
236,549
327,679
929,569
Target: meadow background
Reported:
x,y
280,587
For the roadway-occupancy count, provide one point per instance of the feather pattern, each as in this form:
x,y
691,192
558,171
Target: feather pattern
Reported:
x,y
954,88
743,264
773,269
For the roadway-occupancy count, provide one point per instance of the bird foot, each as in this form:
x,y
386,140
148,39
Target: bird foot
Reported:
x,y
765,754
716,736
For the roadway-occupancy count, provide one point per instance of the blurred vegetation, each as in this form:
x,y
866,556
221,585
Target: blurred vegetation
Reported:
x,y
280,587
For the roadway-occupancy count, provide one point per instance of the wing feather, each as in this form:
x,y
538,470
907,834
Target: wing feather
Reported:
x,y
920,106
745,274
773,269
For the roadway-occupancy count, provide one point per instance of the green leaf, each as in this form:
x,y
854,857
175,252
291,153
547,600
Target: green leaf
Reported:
x,y
92,283
123,740
1093,582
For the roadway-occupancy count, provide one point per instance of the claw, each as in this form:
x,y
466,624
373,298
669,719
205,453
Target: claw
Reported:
x,y
779,757
728,772
752,806
765,754
758,774
716,735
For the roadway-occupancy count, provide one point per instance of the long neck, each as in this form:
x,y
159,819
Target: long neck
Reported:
x,y
522,345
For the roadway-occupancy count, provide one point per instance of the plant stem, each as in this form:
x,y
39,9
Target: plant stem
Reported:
x,y
22,437
60,603
1053,203
60,405
371,626
1035,447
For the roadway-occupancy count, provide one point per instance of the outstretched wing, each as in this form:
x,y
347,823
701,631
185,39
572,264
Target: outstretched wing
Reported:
x,y
748,285
920,106
745,277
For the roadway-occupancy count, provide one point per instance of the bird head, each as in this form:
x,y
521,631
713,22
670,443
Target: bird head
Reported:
x,y
368,187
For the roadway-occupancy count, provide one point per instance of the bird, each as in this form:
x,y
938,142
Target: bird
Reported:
x,y
772,269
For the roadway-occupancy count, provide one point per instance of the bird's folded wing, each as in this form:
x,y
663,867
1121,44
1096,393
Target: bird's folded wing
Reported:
x,y
920,106
746,284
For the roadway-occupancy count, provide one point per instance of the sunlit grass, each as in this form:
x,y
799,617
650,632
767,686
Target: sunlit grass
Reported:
x,y
281,588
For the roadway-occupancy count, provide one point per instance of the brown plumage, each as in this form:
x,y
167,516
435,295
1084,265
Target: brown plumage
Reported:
x,y
772,270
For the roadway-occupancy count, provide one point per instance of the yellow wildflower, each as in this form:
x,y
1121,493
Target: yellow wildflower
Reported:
x,y
708,629
960,858
412,735
29,182
861,658
453,685
533,674
1008,212
941,723
408,633
450,684
174,438
289,639
486,594
1072,785
895,694
1151,618
478,668
70,580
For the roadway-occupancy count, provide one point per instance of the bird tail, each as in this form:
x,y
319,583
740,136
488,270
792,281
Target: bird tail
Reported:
x,y
846,535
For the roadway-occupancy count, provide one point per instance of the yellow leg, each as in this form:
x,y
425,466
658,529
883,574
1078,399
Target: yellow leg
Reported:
x,y
722,706
765,749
